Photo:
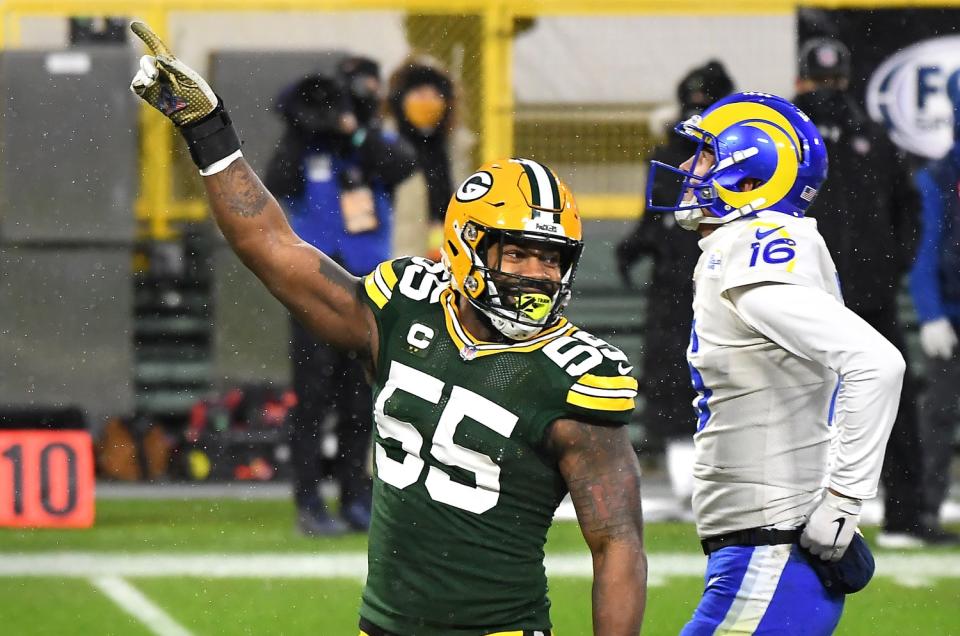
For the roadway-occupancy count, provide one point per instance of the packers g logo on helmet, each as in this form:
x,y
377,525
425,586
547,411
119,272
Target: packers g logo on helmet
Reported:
x,y
512,201
474,187
753,136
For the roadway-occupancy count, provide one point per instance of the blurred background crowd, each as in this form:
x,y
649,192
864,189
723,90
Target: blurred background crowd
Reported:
x,y
125,313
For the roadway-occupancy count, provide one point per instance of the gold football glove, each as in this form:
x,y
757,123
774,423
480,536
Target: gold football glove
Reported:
x,y
169,85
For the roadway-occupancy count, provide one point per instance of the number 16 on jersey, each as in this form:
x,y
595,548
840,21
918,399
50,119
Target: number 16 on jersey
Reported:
x,y
774,252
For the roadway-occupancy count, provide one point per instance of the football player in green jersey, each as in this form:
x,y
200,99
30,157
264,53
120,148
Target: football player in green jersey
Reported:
x,y
489,406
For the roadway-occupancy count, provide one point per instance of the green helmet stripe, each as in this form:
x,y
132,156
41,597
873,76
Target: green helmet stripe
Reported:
x,y
544,188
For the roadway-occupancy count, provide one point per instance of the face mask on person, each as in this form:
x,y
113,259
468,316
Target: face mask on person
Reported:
x,y
824,104
424,108
365,98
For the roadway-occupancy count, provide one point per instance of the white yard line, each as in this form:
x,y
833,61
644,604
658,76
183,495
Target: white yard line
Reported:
x,y
907,569
133,602
280,565
664,508
658,503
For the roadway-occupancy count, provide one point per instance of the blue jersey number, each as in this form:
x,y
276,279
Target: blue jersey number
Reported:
x,y
702,405
775,252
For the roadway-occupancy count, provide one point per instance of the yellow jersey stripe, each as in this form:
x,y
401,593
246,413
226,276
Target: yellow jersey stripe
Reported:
x,y
519,348
600,403
609,393
374,292
604,382
449,317
461,338
389,276
454,312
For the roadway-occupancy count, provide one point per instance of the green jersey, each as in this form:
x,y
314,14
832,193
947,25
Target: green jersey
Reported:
x,y
465,488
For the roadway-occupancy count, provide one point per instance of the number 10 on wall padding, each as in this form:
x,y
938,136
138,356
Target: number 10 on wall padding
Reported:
x,y
46,479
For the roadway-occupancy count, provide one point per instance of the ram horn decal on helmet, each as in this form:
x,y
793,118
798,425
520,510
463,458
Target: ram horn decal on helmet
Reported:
x,y
753,136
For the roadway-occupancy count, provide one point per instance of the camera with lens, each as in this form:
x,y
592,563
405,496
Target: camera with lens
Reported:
x,y
334,103
334,112
317,106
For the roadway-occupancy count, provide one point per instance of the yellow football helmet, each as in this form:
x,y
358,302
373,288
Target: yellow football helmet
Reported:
x,y
515,201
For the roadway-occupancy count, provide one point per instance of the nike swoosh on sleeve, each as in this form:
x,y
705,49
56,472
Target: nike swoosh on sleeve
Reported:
x,y
624,370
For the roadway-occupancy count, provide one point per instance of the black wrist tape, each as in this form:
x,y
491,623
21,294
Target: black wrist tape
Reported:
x,y
211,138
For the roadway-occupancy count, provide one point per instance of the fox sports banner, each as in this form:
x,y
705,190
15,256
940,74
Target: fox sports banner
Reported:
x,y
910,94
902,62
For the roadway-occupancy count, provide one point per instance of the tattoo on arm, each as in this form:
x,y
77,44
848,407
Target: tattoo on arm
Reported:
x,y
338,276
603,477
324,297
351,287
243,194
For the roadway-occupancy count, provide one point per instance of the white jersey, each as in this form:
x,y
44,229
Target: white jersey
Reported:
x,y
765,414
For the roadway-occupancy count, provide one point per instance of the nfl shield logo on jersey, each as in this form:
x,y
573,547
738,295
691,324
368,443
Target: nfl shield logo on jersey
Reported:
x,y
715,264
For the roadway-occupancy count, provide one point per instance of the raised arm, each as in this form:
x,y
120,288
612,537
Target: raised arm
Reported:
x,y
322,295
603,476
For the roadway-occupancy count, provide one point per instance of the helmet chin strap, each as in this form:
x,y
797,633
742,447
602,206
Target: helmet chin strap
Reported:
x,y
693,218
689,219
505,325
509,328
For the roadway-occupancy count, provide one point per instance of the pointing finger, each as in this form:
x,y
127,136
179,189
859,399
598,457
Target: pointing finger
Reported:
x,y
154,43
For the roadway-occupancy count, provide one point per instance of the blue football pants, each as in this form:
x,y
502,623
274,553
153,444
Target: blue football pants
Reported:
x,y
767,589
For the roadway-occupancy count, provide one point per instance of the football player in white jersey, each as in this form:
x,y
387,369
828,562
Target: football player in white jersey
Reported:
x,y
796,394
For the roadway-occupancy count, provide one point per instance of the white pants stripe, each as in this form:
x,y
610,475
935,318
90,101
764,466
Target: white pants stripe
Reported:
x,y
756,591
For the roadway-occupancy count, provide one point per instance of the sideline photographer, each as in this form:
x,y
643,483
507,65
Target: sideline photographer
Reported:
x,y
334,172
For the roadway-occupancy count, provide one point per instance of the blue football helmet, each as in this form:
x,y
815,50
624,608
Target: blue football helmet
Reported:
x,y
752,136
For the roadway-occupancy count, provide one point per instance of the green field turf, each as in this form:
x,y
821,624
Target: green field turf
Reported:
x,y
325,606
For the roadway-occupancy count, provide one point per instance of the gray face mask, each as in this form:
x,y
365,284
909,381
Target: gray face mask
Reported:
x,y
693,218
689,219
